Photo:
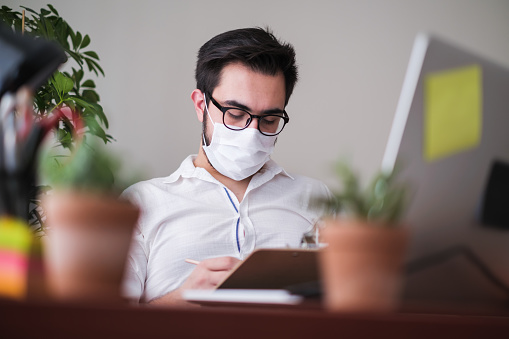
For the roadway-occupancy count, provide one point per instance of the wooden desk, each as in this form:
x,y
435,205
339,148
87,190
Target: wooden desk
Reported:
x,y
58,320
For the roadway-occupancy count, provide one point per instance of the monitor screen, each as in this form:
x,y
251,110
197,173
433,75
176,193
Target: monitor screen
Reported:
x,y
450,141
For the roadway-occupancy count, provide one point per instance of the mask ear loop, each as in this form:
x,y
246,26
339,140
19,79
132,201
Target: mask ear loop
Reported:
x,y
207,109
208,114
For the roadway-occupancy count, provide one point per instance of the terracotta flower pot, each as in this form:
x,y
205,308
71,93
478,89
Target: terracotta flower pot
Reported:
x,y
362,265
86,246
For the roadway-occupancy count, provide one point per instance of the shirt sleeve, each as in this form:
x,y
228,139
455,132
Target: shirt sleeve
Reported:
x,y
318,191
133,285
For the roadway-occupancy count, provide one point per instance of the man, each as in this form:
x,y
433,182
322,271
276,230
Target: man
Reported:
x,y
231,197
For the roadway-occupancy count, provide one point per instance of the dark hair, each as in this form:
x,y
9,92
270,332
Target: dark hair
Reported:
x,y
256,48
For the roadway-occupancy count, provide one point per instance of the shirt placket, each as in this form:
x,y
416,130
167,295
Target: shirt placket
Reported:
x,y
237,223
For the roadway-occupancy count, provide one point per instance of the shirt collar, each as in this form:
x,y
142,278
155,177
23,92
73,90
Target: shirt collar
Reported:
x,y
273,168
188,170
267,173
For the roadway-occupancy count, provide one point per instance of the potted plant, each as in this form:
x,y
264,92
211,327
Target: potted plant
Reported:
x,y
361,265
69,92
88,228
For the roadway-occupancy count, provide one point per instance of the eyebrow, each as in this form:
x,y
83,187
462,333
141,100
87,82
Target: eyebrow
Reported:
x,y
236,104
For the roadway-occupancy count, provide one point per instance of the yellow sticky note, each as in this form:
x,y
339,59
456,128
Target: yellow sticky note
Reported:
x,y
15,240
452,111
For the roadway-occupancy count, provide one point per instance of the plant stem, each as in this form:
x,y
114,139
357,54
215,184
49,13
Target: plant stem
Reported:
x,y
51,110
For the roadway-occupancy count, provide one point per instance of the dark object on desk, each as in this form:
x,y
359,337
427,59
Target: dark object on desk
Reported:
x,y
493,211
26,61
311,289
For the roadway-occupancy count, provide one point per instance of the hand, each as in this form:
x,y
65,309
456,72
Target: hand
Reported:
x,y
207,275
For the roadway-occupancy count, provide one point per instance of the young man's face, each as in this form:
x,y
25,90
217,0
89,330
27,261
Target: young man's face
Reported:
x,y
244,88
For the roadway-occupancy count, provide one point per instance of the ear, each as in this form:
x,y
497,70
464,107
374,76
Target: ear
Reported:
x,y
199,103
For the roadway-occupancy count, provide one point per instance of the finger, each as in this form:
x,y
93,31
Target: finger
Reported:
x,y
202,278
217,277
220,264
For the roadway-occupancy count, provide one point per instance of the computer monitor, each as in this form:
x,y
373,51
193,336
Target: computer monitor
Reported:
x,y
450,140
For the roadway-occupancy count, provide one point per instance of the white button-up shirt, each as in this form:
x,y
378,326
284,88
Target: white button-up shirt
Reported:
x,y
192,215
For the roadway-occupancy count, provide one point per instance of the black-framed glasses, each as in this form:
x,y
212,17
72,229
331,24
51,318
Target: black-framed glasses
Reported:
x,y
238,119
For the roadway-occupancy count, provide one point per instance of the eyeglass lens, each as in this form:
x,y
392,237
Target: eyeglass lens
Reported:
x,y
239,119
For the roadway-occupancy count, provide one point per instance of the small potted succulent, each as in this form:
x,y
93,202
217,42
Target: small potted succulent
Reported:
x,y
366,244
88,229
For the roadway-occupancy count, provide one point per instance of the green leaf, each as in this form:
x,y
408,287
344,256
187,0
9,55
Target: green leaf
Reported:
x,y
62,83
75,38
100,113
77,42
91,96
81,102
85,42
78,75
29,10
53,9
96,66
41,29
110,138
61,32
77,57
72,35
94,127
65,138
68,127
88,83
91,66
91,54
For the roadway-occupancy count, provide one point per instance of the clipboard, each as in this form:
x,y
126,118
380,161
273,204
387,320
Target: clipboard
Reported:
x,y
282,268
266,277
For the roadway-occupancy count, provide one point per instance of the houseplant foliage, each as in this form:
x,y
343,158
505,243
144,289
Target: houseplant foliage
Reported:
x,y
71,92
366,244
73,89
88,168
382,201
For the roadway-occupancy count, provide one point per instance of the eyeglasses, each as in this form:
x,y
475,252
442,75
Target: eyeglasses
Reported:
x,y
238,119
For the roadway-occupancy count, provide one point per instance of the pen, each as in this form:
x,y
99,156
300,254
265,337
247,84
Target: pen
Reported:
x,y
191,261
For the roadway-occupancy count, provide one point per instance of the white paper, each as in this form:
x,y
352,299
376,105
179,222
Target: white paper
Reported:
x,y
243,296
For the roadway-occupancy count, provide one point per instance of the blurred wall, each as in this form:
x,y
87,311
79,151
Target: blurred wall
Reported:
x,y
352,57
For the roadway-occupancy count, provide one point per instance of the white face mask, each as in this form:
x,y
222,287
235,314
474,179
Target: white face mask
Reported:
x,y
237,154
